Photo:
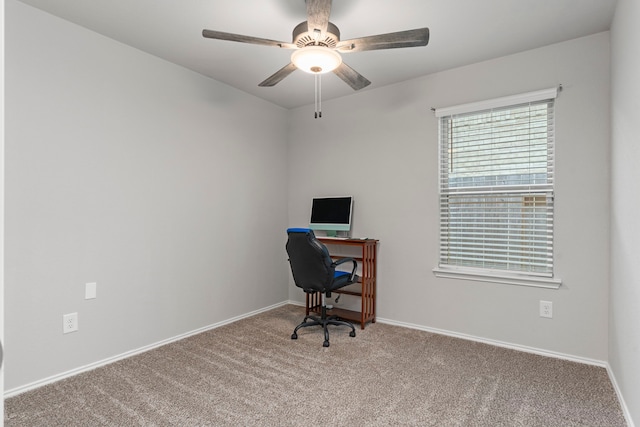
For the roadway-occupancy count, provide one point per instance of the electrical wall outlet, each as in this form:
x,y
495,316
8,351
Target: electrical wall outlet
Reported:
x,y
546,309
69,323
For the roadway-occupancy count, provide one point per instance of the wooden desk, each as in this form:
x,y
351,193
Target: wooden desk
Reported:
x,y
365,289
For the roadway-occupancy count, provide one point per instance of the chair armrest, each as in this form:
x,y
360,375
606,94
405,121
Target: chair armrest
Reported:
x,y
344,260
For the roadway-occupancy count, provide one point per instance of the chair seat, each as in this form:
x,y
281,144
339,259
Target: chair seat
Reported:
x,y
340,280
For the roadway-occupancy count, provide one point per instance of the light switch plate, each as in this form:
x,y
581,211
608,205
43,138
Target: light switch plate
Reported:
x,y
90,290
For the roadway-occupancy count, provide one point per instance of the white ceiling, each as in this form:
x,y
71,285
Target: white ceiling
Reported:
x,y
462,32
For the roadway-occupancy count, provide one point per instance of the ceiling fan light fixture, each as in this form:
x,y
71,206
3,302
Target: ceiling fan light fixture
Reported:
x,y
316,59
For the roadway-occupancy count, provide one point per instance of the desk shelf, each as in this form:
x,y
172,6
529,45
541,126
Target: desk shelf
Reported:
x,y
365,289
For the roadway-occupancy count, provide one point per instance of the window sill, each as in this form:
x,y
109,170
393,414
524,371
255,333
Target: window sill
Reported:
x,y
493,276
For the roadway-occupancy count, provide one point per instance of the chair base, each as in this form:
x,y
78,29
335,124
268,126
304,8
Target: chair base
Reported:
x,y
323,321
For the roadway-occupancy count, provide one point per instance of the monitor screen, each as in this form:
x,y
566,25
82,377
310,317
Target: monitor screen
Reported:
x,y
331,213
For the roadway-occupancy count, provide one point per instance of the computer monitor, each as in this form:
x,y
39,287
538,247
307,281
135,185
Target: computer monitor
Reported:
x,y
331,214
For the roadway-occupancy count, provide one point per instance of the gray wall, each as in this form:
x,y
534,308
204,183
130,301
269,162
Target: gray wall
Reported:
x,y
381,146
128,171
624,319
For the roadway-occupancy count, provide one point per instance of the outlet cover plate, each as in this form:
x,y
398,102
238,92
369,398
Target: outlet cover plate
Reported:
x,y
69,323
546,309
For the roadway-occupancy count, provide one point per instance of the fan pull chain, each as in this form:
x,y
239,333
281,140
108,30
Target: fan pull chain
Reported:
x,y
318,96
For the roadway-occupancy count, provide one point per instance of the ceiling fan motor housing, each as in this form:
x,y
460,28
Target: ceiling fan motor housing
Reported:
x,y
302,37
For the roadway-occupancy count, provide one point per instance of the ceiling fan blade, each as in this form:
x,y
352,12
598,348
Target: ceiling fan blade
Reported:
x,y
409,38
318,12
220,35
279,75
351,77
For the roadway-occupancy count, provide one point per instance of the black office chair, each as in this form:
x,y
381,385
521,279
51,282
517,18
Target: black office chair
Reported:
x,y
314,271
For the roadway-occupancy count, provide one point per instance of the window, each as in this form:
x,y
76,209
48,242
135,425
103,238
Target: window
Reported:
x,y
497,191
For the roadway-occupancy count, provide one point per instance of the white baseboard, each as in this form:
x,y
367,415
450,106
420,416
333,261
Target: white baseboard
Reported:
x,y
623,404
497,343
103,362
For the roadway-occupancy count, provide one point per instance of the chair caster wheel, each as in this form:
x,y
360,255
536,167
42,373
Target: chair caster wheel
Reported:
x,y
352,333
294,336
325,344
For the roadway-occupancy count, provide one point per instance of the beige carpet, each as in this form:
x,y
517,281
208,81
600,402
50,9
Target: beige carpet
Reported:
x,y
250,373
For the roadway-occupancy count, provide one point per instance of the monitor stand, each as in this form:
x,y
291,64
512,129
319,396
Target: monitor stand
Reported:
x,y
334,234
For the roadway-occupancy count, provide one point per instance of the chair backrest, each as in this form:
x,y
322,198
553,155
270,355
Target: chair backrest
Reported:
x,y
310,261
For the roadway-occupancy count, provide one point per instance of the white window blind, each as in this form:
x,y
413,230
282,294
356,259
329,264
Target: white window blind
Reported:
x,y
496,186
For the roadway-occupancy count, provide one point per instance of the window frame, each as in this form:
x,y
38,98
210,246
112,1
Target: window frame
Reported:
x,y
483,274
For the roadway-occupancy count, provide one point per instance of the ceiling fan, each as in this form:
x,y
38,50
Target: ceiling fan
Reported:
x,y
317,46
